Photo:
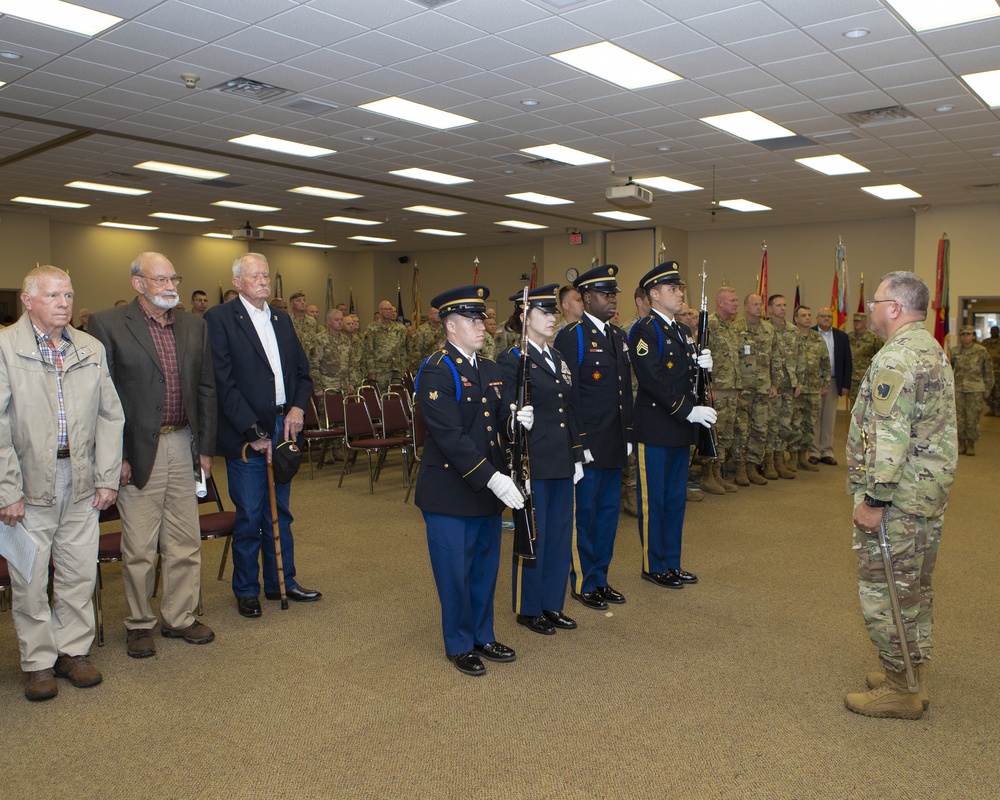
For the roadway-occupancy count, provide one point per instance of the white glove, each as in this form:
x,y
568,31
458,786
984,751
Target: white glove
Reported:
x,y
703,415
628,449
705,360
526,416
503,487
577,473
588,457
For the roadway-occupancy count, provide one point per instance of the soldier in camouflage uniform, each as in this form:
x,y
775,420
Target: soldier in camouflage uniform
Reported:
x,y
330,361
726,383
760,372
864,345
489,348
973,381
305,326
352,324
813,371
901,457
779,430
992,346
429,337
385,348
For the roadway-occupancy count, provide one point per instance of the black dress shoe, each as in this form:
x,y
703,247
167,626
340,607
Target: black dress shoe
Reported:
x,y
298,594
611,595
686,577
537,624
828,460
592,599
468,664
494,651
248,606
559,620
668,579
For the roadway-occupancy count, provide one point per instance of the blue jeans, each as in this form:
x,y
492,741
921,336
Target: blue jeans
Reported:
x,y
253,535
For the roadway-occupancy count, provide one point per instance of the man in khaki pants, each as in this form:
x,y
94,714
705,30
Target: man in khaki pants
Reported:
x,y
60,458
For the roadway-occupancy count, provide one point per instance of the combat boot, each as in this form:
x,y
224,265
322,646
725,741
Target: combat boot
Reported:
x,y
970,447
753,474
694,497
789,457
892,699
727,485
780,468
876,679
804,462
741,474
629,503
770,470
708,483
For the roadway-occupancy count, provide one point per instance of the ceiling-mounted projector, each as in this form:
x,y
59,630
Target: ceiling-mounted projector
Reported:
x,y
248,232
631,195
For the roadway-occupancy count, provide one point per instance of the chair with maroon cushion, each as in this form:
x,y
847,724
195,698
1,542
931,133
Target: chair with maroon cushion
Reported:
x,y
109,551
360,435
396,423
419,434
316,429
374,401
6,598
216,524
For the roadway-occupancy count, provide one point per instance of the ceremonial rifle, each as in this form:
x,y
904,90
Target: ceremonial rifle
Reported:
x,y
525,531
708,445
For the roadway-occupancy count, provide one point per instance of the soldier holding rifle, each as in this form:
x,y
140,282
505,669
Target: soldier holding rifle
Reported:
x,y
902,449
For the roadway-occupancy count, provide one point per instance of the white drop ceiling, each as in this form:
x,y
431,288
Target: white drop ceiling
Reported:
x,y
76,108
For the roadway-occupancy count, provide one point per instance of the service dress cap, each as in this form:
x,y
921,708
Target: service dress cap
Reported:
x,y
598,279
665,273
469,301
542,297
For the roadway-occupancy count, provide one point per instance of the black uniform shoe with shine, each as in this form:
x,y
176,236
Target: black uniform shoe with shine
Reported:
x,y
685,577
468,664
592,599
298,594
559,620
494,651
668,579
537,624
248,606
610,595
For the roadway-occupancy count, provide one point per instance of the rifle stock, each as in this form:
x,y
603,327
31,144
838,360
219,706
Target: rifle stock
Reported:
x,y
525,531
708,445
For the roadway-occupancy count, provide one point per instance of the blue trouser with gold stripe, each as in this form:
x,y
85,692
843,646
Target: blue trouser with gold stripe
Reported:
x,y
539,584
598,497
661,491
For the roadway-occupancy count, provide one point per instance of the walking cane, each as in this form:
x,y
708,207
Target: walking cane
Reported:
x,y
277,534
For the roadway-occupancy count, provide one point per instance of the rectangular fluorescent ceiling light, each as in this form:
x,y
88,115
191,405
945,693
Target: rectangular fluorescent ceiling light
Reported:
x,y
417,112
514,223
244,206
317,245
353,220
283,229
375,239
438,232
743,205
622,216
3,83
541,199
922,15
891,191
181,217
986,85
429,175
665,184
41,201
128,226
434,211
281,146
180,169
832,165
332,194
103,187
609,61
217,235
748,125
563,154
58,14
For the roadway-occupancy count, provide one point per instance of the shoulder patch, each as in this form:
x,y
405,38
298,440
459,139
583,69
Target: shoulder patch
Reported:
x,y
886,387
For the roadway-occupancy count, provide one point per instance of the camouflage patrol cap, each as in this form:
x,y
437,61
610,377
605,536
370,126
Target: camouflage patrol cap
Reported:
x,y
967,329
859,317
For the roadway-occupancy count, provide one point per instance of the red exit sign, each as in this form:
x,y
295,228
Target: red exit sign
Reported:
x,y
576,238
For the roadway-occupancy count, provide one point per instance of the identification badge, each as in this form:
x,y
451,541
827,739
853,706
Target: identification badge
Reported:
x,y
746,349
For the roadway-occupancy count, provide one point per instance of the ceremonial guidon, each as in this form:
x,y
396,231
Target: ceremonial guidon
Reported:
x,y
666,415
598,358
462,486
538,585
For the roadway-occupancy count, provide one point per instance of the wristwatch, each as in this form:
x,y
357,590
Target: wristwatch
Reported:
x,y
873,503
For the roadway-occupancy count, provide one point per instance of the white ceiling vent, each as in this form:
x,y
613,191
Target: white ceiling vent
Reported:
x,y
878,116
251,90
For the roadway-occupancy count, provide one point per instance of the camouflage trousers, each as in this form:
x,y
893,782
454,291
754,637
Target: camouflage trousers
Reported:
x,y
753,416
994,399
726,403
914,542
780,432
386,379
969,412
806,408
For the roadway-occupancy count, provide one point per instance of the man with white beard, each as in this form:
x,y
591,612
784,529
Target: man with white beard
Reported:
x,y
161,365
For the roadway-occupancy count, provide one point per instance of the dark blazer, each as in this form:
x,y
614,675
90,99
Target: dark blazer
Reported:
x,y
602,389
554,439
243,378
466,410
843,366
138,376
664,362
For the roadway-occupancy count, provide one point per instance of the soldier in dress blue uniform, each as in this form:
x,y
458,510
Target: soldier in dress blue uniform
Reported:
x,y
462,486
556,457
666,418
598,358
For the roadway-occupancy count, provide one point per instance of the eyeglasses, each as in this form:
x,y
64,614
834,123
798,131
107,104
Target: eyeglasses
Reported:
x,y
872,303
161,281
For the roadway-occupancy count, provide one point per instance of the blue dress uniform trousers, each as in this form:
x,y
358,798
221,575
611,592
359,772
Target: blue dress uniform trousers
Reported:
x,y
598,498
661,491
539,584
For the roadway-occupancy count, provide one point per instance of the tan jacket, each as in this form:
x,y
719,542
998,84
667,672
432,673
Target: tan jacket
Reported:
x,y
29,413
